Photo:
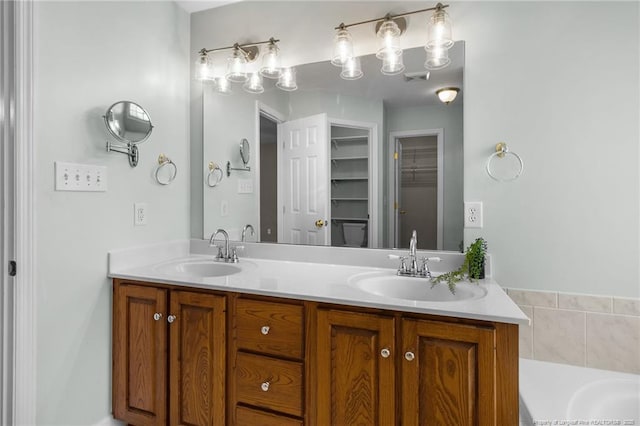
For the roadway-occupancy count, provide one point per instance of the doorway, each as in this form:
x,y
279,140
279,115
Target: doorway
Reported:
x,y
268,179
418,159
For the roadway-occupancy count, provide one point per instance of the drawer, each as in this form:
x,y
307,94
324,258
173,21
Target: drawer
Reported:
x,y
270,328
269,383
248,417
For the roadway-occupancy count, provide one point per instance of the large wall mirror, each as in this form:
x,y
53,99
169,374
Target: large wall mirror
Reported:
x,y
345,163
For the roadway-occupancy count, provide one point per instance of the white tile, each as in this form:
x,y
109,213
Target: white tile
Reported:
x,y
547,299
613,342
585,302
559,336
626,306
525,335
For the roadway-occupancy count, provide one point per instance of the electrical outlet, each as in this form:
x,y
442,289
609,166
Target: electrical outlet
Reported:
x,y
473,214
140,214
224,208
80,177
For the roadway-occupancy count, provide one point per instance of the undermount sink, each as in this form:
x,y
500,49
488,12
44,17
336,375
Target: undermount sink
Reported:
x,y
199,268
388,284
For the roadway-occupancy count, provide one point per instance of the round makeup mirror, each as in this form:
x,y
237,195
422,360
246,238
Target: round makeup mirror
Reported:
x,y
130,125
245,151
128,122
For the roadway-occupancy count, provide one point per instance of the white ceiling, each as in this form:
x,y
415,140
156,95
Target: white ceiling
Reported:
x,y
192,6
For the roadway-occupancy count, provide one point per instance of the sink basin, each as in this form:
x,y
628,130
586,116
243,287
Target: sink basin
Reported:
x,y
200,268
388,284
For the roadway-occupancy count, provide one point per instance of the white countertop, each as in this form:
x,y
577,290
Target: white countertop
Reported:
x,y
320,282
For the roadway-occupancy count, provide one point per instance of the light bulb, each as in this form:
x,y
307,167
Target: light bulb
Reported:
x,y
392,65
352,69
271,62
223,86
389,33
342,48
204,68
437,58
236,72
439,30
287,80
254,84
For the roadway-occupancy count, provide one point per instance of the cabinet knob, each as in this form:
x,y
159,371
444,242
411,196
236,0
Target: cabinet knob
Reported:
x,y
385,353
171,318
265,329
157,316
409,356
265,386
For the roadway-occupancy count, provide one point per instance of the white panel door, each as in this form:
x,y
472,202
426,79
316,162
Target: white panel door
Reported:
x,y
303,184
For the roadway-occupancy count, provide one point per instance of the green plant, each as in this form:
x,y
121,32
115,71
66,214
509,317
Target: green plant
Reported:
x,y
472,268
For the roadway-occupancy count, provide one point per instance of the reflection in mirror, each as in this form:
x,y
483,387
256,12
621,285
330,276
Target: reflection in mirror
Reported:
x,y
344,163
245,151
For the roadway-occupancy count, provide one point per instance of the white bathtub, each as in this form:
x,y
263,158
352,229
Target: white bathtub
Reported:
x,y
558,394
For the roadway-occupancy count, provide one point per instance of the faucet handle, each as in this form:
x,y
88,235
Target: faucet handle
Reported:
x,y
220,255
424,271
402,269
234,255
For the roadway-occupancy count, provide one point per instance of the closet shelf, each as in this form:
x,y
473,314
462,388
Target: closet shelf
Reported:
x,y
349,199
353,157
350,178
350,138
351,219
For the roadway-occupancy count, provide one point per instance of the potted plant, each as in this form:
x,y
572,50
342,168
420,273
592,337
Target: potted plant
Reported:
x,y
472,268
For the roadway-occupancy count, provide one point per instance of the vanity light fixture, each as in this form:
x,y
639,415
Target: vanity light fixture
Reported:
x,y
447,94
287,80
389,29
241,55
352,69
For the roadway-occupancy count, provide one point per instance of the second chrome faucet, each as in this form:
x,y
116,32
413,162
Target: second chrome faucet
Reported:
x,y
223,254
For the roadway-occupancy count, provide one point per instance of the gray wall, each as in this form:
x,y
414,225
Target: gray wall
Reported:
x,y
89,55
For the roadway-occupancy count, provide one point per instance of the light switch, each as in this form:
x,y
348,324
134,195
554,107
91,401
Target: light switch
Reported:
x,y
80,177
245,186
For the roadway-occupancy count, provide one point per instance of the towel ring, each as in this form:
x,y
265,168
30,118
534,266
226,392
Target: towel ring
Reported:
x,y
501,151
164,161
213,178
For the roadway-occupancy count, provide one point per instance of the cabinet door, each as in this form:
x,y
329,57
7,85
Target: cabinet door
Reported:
x,y
356,369
448,374
197,359
139,355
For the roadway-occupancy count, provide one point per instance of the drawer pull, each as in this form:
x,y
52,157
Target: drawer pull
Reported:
x,y
385,353
265,329
171,319
157,316
409,356
265,386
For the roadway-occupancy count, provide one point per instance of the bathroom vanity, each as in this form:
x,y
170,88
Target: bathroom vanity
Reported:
x,y
293,343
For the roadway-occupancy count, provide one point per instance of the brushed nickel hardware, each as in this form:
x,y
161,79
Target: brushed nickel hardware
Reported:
x,y
164,161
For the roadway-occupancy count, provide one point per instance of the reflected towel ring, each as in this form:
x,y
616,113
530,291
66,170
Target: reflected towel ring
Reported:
x,y
501,151
213,178
164,161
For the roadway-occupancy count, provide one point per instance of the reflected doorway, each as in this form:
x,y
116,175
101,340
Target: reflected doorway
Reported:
x,y
268,131
418,188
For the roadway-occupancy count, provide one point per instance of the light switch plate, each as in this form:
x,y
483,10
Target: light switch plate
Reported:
x,y
245,186
80,177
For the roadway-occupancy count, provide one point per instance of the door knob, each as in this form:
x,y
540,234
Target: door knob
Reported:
x,y
265,330
385,353
157,316
403,212
171,319
409,356
320,223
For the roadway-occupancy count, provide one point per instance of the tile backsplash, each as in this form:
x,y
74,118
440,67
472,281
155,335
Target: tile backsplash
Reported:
x,y
580,329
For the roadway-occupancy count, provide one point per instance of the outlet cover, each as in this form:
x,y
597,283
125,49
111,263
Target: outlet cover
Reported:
x,y
473,214
140,214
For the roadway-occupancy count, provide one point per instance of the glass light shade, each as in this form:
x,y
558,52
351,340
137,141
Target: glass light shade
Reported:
x,y
439,30
271,62
204,68
351,70
287,80
392,65
254,84
342,48
389,34
236,67
223,86
437,58
448,94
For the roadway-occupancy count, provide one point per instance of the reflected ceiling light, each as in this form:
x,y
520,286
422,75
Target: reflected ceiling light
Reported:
x,y
254,84
287,80
439,29
447,94
241,55
271,61
223,86
437,58
352,69
392,65
204,68
342,46
389,29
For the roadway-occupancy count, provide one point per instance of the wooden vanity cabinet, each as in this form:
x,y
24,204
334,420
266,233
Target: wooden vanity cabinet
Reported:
x,y
289,362
169,350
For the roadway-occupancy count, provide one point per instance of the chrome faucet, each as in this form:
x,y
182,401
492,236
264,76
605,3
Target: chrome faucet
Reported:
x,y
412,270
247,226
221,256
